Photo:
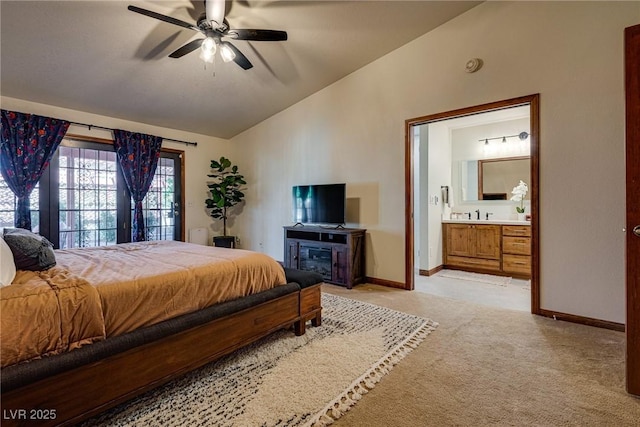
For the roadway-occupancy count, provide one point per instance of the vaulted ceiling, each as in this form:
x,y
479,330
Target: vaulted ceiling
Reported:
x,y
99,57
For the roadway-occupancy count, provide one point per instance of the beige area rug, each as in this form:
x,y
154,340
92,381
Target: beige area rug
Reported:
x,y
284,380
475,277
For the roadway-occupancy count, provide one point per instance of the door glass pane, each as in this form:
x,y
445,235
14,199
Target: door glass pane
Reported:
x,y
88,189
9,203
158,204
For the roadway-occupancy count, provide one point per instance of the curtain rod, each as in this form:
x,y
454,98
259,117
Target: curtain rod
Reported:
x,y
195,144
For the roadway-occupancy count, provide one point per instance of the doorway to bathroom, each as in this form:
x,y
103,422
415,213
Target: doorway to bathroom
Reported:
x,y
472,203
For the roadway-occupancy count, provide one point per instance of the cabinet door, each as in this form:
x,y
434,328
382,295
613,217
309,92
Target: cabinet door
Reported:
x,y
292,256
516,245
487,241
517,264
459,240
340,262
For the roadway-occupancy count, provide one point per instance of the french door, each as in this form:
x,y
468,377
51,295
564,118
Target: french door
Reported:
x,y
162,203
84,200
632,85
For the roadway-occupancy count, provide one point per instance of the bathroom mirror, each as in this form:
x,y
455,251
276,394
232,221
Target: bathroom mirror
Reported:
x,y
490,154
493,179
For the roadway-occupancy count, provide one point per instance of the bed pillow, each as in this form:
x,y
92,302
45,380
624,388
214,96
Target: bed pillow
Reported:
x,y
30,251
7,265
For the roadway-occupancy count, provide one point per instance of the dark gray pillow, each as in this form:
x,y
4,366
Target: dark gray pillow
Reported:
x,y
30,251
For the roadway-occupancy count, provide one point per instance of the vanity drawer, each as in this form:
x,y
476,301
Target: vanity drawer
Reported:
x,y
516,230
480,263
516,245
516,264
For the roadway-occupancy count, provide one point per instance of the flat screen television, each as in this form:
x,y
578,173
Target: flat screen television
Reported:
x,y
319,204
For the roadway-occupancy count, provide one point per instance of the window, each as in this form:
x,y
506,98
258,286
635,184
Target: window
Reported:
x,y
88,203
9,203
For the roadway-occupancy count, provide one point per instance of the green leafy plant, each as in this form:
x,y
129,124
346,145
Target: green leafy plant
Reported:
x,y
226,189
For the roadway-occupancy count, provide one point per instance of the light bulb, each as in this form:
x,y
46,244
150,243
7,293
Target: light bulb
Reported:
x,y
207,56
227,53
209,46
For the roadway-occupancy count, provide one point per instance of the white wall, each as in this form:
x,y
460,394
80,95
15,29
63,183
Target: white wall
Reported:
x,y
438,173
353,131
197,159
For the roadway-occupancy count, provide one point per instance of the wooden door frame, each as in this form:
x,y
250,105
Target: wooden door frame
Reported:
x,y
534,105
632,107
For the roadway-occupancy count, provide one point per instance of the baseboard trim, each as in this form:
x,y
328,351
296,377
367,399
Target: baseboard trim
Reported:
x,y
431,272
384,282
605,324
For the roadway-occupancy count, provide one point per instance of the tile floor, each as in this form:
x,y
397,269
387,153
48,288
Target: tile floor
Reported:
x,y
515,296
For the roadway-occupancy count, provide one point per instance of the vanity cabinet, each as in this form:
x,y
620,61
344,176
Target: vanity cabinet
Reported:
x,y
472,246
484,248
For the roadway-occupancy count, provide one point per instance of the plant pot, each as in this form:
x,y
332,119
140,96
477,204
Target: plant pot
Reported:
x,y
522,216
224,241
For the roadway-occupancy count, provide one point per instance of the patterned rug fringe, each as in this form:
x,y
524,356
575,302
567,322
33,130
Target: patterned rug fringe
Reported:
x,y
340,405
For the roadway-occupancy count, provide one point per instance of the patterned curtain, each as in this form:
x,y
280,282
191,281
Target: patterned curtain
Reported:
x,y
138,156
27,145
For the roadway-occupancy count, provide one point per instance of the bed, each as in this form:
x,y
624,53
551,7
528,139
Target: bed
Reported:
x,y
105,324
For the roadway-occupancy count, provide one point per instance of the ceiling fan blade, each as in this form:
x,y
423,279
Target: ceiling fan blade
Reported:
x,y
164,18
239,59
258,35
187,48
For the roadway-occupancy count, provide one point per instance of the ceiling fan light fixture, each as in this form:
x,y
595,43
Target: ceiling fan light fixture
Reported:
x,y
208,50
207,57
214,26
227,53
209,46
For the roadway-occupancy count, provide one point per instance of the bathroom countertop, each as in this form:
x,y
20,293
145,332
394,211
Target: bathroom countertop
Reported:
x,y
486,221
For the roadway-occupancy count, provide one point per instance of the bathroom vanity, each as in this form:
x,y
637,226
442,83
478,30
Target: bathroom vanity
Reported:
x,y
491,246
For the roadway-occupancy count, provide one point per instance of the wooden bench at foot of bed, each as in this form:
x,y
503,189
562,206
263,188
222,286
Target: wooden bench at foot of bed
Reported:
x,y
310,297
77,394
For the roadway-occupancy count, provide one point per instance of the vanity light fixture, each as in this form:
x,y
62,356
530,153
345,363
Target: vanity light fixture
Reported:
x,y
523,136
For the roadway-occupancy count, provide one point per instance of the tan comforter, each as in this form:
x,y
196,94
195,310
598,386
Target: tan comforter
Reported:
x,y
46,313
131,286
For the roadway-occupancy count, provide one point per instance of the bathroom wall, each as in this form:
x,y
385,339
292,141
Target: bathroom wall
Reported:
x,y
466,145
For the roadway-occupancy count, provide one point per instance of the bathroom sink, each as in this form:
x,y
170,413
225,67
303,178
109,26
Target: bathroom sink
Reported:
x,y
486,221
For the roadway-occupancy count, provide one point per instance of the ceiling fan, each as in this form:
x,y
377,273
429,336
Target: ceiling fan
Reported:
x,y
214,26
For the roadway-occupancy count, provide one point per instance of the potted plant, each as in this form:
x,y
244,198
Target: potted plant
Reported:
x,y
225,192
519,192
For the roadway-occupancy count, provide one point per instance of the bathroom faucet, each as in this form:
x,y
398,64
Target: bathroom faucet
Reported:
x,y
469,215
477,214
487,215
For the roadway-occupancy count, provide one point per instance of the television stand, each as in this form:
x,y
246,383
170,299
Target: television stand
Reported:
x,y
337,253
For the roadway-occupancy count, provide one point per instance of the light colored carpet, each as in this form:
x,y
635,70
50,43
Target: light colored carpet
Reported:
x,y
285,380
494,367
474,277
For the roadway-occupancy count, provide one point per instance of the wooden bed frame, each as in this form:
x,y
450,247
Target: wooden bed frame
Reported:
x,y
75,395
